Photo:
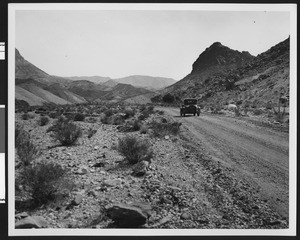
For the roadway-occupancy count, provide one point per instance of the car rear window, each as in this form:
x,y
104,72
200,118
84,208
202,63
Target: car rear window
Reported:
x,y
190,101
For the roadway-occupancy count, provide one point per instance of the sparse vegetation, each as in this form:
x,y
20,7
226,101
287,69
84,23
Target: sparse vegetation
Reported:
x,y
161,129
44,120
91,132
44,181
27,116
257,112
278,114
168,98
134,150
65,131
26,150
79,117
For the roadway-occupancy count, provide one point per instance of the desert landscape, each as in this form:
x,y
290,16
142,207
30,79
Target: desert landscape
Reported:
x,y
97,152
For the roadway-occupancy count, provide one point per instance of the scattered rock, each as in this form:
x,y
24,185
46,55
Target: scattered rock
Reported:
x,y
167,137
77,200
83,170
140,168
92,193
112,182
127,215
31,222
99,164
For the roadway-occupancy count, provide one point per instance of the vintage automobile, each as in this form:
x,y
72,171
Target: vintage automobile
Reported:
x,y
189,107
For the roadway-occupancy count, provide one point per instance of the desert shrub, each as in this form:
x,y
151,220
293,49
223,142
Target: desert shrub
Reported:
x,y
279,115
105,119
269,105
53,114
44,120
134,150
108,112
136,125
26,150
26,116
91,132
79,117
239,102
237,112
143,115
168,98
116,119
161,129
130,126
143,129
257,112
66,132
91,120
129,113
58,124
44,181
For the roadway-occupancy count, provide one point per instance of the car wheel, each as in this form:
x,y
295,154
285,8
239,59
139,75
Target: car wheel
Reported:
x,y
194,114
198,114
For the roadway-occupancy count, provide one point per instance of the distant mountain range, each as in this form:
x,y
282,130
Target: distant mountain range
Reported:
x,y
148,82
37,87
221,75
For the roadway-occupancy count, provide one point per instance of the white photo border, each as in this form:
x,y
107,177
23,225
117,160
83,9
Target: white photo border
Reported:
x,y
291,231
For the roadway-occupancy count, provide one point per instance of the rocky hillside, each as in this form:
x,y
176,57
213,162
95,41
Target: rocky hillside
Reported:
x,y
219,56
37,87
25,70
221,76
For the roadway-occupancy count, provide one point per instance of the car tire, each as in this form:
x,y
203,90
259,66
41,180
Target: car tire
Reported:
x,y
198,114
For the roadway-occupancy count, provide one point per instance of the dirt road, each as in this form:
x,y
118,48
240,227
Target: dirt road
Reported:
x,y
257,154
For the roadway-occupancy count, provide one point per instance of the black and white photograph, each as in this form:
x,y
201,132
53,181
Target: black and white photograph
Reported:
x,y
152,119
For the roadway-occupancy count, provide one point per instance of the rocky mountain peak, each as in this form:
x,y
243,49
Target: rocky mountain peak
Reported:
x,y
18,56
218,55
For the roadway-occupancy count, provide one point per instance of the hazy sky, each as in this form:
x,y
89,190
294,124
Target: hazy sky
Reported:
x,y
122,43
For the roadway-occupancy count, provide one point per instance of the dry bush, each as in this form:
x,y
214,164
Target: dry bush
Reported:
x,y
161,129
278,114
92,120
116,119
26,150
79,117
129,113
130,126
257,112
143,129
26,116
44,120
65,131
134,149
45,180
91,132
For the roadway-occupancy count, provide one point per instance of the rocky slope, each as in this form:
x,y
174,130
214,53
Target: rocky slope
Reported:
x,y
36,87
183,187
221,76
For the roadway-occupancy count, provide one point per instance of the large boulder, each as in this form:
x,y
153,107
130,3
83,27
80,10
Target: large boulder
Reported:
x,y
31,222
125,215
